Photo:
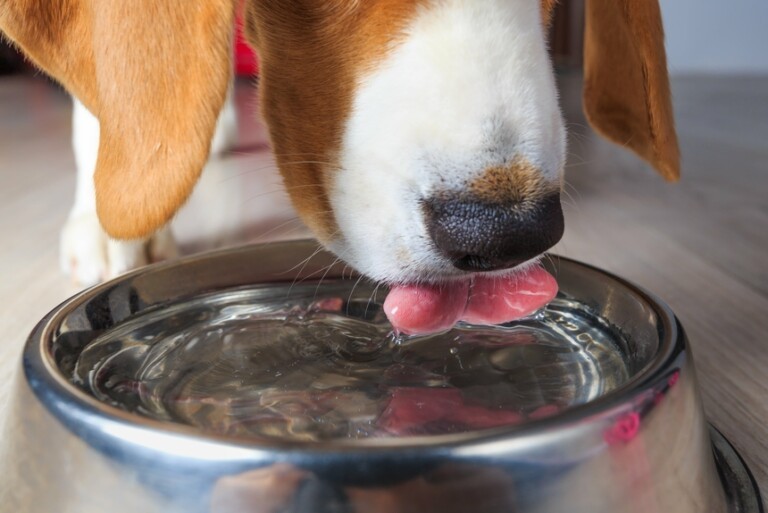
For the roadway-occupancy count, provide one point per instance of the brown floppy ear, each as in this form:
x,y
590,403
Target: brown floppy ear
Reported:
x,y
626,86
155,73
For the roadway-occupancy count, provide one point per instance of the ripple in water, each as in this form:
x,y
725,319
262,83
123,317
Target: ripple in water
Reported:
x,y
323,364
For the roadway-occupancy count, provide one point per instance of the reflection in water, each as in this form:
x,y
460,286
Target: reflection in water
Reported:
x,y
323,364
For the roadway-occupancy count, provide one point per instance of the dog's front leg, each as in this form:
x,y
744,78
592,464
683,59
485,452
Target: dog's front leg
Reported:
x,y
87,253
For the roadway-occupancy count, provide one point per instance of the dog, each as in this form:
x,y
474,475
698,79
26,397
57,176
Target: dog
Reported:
x,y
420,140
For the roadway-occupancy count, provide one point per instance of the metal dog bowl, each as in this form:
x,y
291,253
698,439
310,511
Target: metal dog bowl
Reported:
x,y
264,380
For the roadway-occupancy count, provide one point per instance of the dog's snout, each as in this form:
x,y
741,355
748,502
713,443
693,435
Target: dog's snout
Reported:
x,y
483,236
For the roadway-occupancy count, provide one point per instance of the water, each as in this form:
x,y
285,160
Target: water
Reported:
x,y
321,363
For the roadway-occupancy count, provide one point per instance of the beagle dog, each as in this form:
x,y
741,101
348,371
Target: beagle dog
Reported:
x,y
420,140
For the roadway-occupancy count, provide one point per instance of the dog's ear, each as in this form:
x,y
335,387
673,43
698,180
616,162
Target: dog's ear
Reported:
x,y
626,87
154,72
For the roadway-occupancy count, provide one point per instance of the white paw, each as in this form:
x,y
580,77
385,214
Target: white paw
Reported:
x,y
89,256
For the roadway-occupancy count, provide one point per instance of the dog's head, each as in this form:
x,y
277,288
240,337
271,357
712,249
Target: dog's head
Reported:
x,y
420,139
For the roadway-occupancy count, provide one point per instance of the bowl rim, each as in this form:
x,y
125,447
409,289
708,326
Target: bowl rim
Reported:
x,y
82,412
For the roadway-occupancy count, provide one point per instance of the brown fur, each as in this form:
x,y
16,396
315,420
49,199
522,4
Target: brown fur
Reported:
x,y
547,11
626,87
311,54
515,183
156,79
155,73
55,35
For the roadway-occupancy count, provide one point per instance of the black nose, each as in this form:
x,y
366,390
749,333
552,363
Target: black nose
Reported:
x,y
481,236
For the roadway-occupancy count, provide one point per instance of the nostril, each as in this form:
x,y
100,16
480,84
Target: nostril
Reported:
x,y
481,236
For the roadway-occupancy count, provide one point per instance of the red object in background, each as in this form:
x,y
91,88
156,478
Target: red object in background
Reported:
x,y
246,60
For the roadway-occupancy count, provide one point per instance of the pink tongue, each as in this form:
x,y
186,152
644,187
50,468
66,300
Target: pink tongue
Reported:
x,y
423,309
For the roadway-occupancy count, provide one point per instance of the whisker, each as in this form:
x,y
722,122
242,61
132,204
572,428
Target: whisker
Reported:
x,y
371,299
281,189
580,161
351,292
304,262
278,227
327,270
555,265
569,200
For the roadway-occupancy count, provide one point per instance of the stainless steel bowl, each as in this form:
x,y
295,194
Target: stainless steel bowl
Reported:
x,y
640,445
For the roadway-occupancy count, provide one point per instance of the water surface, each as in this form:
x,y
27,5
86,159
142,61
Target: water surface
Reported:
x,y
322,363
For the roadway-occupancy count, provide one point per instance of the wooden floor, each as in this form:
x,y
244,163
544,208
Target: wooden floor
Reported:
x,y
700,245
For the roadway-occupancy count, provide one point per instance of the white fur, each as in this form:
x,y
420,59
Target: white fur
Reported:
x,y
470,86
87,254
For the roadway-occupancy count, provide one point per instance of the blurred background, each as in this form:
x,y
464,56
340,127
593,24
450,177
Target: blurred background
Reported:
x,y
700,245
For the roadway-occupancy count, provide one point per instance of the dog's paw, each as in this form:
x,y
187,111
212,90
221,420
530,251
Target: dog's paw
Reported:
x,y
89,256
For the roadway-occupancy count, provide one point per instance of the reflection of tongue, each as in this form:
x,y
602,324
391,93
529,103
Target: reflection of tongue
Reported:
x,y
422,309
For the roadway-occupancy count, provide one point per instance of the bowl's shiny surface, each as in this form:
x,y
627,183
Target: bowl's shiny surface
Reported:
x,y
643,447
